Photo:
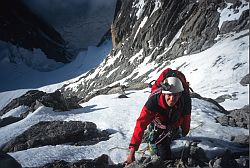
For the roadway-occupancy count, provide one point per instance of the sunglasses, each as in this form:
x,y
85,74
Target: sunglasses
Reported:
x,y
165,86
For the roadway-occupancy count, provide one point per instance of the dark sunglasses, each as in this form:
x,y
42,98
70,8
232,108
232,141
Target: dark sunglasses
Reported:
x,y
165,86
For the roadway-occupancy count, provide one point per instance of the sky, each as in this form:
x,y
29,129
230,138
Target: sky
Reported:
x,y
213,72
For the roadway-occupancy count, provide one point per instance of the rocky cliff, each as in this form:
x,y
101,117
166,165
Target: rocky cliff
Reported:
x,y
155,32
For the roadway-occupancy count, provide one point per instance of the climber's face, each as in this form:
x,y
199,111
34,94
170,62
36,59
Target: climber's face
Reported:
x,y
171,99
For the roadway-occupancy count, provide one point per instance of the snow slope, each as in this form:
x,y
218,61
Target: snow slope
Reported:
x,y
212,73
209,73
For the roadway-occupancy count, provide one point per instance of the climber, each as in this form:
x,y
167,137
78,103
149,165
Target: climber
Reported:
x,y
165,111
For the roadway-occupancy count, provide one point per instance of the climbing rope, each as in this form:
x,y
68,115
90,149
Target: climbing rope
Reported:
x,y
142,152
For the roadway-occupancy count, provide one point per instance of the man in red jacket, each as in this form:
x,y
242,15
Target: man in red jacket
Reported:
x,y
165,109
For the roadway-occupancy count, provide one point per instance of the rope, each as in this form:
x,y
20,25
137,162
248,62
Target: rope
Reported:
x,y
142,151
166,135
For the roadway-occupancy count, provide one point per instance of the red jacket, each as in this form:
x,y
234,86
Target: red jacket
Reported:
x,y
156,107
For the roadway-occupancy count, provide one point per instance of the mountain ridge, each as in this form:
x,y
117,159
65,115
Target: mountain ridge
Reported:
x,y
127,56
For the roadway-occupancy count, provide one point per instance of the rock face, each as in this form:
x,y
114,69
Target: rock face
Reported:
x,y
192,156
245,80
196,95
55,133
236,118
101,162
9,120
241,139
6,161
28,99
157,31
34,99
236,25
58,102
199,23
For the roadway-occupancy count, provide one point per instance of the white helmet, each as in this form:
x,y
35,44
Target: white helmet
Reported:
x,y
172,85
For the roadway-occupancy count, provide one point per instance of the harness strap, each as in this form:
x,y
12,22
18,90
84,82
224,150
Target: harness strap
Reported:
x,y
166,130
158,124
163,136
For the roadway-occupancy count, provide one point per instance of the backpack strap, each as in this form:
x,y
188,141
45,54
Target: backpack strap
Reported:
x,y
157,91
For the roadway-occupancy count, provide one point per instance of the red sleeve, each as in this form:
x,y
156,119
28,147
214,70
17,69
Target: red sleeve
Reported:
x,y
185,126
158,81
145,118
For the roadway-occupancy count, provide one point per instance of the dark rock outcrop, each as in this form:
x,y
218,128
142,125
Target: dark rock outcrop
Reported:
x,y
193,156
200,21
236,25
100,162
196,95
245,80
58,102
28,99
199,32
35,98
225,161
222,98
6,161
197,155
241,139
55,133
9,120
236,118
